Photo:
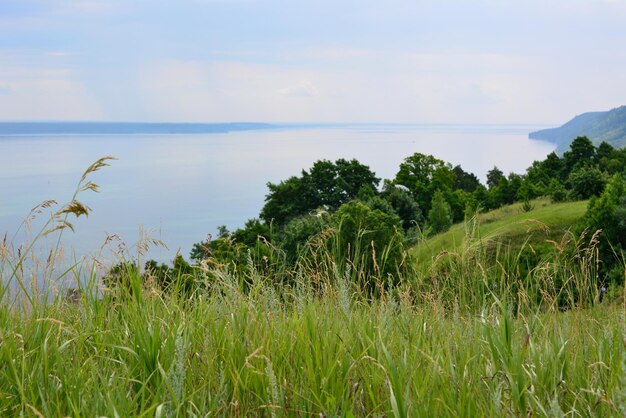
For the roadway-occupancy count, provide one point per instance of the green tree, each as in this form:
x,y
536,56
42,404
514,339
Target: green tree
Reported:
x,y
494,176
326,185
556,191
299,231
369,240
465,181
252,231
581,153
422,175
480,199
607,213
287,199
440,215
586,181
404,205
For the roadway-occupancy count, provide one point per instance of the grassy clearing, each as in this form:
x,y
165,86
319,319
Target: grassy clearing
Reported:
x,y
510,226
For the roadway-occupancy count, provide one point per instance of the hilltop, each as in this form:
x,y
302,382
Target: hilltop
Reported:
x,y
609,126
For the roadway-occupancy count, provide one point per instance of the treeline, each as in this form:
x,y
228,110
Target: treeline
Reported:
x,y
343,209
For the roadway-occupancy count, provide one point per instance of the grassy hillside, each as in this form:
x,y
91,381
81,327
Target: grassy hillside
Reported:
x,y
607,126
470,342
509,226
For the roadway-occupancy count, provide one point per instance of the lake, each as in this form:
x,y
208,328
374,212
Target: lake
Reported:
x,y
180,187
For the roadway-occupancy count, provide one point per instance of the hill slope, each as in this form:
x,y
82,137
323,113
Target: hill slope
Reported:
x,y
509,226
597,126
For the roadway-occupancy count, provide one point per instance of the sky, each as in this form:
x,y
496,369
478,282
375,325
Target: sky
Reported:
x,y
408,61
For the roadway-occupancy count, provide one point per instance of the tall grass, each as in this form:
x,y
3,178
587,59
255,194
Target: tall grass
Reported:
x,y
231,352
470,334
471,277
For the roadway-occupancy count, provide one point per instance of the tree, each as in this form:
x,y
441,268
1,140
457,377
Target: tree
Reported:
x,y
423,174
285,200
609,159
299,231
494,176
586,181
404,205
352,178
465,181
326,185
440,216
608,214
604,150
252,231
582,152
500,194
457,200
369,241
556,191
544,171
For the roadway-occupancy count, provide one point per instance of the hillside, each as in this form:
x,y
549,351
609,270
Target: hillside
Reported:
x,y
607,126
509,226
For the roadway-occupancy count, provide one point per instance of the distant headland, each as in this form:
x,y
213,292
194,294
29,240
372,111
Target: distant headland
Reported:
x,y
609,126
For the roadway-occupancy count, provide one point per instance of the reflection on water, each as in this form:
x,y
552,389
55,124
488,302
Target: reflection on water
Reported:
x,y
183,186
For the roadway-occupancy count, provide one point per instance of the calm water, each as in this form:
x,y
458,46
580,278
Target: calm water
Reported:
x,y
181,187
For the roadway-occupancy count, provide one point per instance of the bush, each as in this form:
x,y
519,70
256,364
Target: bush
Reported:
x,y
363,244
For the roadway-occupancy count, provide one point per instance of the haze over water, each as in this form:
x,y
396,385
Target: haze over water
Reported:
x,y
182,187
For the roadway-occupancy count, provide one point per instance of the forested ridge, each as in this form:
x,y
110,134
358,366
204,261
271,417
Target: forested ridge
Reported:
x,y
609,126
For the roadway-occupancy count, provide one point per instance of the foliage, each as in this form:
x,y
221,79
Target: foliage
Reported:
x,y
299,231
581,153
440,216
527,206
557,191
422,175
326,185
121,276
367,239
586,181
465,181
180,277
494,177
552,168
403,204
607,213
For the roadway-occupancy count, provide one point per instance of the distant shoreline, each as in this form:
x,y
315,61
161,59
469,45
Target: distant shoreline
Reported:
x,y
124,128
19,129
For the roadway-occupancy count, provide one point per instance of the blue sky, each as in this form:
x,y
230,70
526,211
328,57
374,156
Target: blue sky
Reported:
x,y
423,61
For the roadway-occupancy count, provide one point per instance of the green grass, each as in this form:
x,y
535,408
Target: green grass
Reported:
x,y
510,226
475,336
231,354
